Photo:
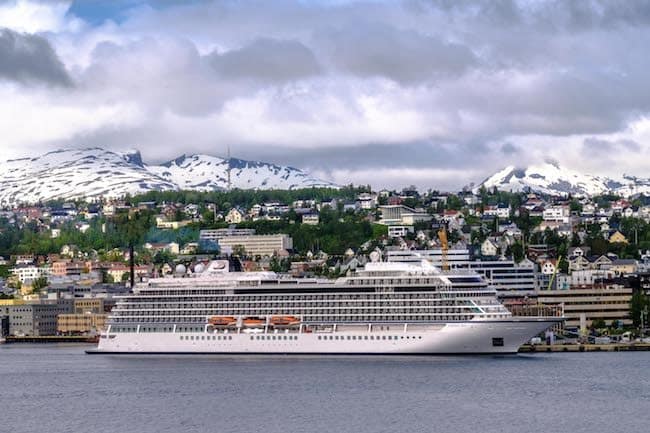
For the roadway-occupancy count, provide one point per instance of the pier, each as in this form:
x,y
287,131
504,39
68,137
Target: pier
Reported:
x,y
53,339
612,347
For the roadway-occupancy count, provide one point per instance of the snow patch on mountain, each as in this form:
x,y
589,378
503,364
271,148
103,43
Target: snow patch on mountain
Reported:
x,y
553,179
95,172
207,173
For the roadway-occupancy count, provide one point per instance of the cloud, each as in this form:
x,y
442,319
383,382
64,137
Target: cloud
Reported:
x,y
602,146
267,60
509,149
430,88
33,16
30,59
405,56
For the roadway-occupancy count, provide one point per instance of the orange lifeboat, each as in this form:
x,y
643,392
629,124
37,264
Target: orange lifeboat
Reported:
x,y
222,321
284,320
253,321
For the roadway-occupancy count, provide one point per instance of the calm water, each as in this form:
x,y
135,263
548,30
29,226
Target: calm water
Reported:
x,y
59,389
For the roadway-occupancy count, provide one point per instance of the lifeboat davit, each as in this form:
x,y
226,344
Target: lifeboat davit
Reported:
x,y
222,321
284,320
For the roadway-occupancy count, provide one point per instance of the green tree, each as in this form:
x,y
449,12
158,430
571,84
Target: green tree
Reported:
x,y
39,284
639,303
517,251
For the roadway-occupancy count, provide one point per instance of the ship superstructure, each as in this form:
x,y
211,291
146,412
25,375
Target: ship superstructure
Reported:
x,y
386,308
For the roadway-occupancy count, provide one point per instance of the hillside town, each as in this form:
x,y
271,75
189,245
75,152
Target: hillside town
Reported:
x,y
63,264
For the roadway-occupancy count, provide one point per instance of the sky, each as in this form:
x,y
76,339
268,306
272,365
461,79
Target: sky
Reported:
x,y
434,93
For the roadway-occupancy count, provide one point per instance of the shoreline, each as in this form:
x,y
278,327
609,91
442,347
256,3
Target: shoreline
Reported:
x,y
611,347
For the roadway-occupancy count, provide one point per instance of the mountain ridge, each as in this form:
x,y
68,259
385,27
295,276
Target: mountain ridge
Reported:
x,y
94,172
551,178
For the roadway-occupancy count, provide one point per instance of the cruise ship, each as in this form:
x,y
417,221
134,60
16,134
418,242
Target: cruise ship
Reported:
x,y
383,309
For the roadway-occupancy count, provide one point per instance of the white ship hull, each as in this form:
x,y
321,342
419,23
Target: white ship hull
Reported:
x,y
472,337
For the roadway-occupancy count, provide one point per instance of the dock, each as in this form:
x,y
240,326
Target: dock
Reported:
x,y
612,347
53,339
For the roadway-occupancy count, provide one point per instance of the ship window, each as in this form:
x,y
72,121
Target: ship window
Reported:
x,y
252,337
497,342
230,337
319,337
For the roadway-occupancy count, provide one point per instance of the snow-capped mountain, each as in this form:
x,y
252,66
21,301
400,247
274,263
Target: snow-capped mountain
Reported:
x,y
550,178
96,172
206,173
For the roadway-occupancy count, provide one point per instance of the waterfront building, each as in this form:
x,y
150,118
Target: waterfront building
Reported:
x,y
81,324
33,319
608,304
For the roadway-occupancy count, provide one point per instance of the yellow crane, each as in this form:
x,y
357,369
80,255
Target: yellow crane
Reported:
x,y
444,246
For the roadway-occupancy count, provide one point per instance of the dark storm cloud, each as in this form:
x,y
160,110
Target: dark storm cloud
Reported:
x,y
600,146
418,155
268,60
30,59
552,15
405,56
509,149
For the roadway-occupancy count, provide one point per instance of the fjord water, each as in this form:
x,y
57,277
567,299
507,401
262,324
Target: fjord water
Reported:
x,y
57,388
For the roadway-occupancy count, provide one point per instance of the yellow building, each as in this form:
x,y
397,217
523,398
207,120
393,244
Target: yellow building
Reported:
x,y
618,238
86,323
88,305
11,302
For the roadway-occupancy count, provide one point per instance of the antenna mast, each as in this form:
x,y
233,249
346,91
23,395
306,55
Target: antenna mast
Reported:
x,y
229,184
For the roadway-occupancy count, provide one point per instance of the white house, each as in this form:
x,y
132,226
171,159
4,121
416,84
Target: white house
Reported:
x,y
489,248
367,200
559,213
235,216
29,273
311,219
399,231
